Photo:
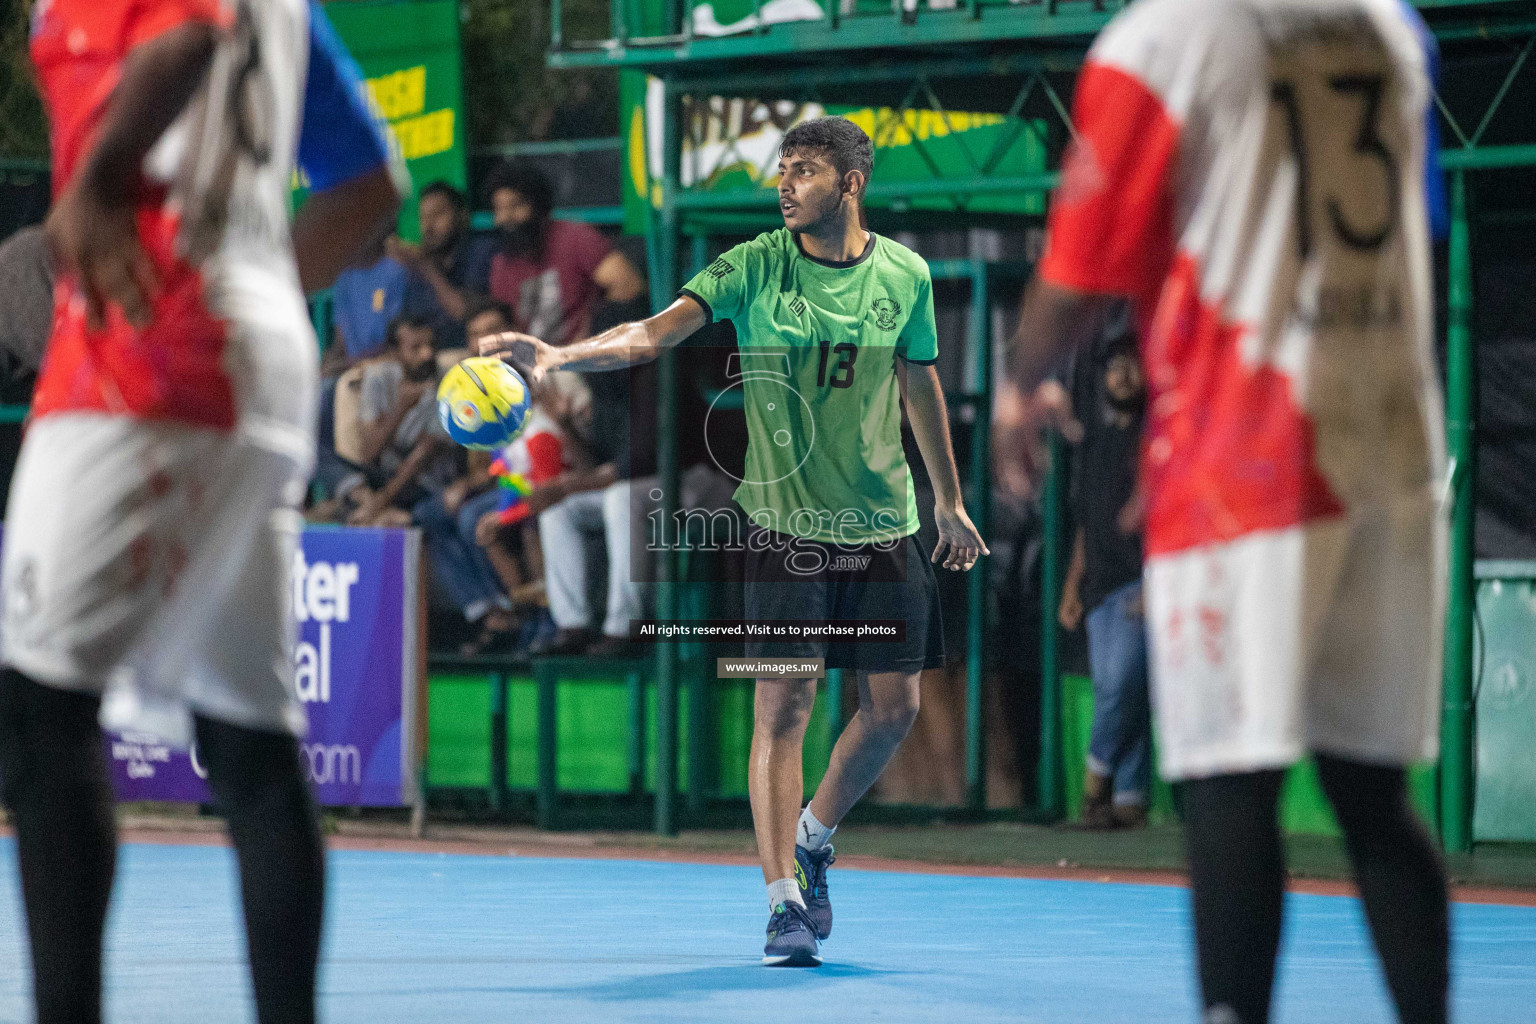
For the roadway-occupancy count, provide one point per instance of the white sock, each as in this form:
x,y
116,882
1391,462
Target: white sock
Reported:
x,y
785,890
810,833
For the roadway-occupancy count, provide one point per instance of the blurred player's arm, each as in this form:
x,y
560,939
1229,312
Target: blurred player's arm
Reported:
x,y
91,230
625,345
354,189
332,226
960,543
1110,232
1053,321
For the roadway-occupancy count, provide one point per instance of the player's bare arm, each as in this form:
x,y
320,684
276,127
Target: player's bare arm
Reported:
x,y
629,344
960,543
1052,322
333,226
91,228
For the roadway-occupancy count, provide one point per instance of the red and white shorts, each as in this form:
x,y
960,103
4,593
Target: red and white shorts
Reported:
x,y
150,561
1318,638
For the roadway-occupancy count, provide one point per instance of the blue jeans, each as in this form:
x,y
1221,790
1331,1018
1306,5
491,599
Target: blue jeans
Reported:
x,y
458,563
1120,745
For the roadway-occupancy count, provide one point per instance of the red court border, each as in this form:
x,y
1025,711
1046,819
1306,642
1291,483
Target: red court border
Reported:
x,y
556,849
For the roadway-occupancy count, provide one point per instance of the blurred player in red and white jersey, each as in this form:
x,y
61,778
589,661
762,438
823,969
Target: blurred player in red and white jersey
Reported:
x,y
153,512
1253,174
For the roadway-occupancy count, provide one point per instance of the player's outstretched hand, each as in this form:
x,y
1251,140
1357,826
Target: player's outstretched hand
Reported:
x,y
95,242
960,543
1021,458
528,355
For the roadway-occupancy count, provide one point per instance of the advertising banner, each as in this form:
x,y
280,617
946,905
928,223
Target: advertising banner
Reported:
x,y
732,145
356,671
409,56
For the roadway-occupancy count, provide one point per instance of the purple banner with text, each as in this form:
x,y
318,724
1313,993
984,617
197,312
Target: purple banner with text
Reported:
x,y
354,598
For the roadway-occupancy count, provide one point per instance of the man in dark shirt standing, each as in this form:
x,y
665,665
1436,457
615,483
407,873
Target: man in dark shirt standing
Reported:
x,y
1105,578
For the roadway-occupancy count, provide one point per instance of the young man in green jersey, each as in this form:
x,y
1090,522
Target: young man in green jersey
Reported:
x,y
834,326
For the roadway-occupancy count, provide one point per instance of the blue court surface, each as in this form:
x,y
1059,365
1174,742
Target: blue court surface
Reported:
x,y
415,937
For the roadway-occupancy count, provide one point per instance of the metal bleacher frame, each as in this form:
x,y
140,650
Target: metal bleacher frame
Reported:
x,y
1018,57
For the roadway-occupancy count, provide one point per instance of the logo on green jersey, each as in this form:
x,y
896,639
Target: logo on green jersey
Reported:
x,y
886,313
797,306
720,268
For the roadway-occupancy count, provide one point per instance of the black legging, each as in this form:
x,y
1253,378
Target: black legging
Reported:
x,y
1237,878
53,779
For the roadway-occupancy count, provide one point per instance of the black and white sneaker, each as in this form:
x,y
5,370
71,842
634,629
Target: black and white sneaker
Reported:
x,y
791,938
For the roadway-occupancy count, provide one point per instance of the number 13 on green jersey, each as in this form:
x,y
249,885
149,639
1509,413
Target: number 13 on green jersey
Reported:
x,y
818,343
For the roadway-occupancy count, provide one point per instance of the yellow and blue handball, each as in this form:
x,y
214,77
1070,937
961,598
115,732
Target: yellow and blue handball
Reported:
x,y
483,403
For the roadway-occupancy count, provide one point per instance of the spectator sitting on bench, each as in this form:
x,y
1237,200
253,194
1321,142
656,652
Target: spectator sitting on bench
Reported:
x,y
366,297
451,523
404,453
615,500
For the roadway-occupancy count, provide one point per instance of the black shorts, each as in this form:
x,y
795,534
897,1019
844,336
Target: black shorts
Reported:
x,y
811,581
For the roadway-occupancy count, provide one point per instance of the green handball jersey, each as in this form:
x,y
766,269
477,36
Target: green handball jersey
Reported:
x,y
817,348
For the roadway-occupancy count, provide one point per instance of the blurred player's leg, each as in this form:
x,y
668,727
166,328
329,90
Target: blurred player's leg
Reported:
x,y
260,786
1237,880
238,682
1402,883
55,786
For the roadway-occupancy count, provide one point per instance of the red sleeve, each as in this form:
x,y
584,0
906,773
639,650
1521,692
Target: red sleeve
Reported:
x,y
1111,222
151,18
544,457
